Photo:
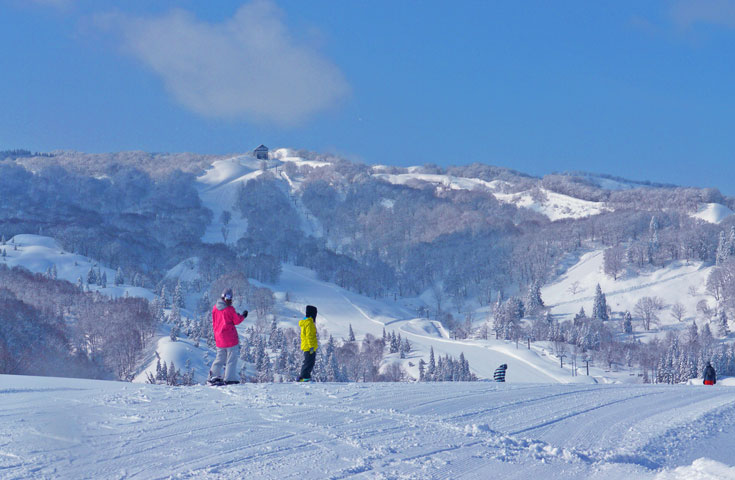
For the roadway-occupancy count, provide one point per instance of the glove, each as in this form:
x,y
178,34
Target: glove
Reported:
x,y
244,314
311,351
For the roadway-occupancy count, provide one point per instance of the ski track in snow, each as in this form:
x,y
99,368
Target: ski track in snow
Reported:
x,y
68,428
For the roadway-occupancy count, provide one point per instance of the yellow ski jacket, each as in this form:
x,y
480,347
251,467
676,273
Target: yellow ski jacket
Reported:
x,y
308,334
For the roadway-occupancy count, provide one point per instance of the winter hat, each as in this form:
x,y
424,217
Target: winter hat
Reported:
x,y
311,312
227,294
504,366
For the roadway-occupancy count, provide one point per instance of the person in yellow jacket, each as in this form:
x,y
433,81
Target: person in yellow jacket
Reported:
x,y
309,343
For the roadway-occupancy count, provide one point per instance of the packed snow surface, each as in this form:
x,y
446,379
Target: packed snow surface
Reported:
x,y
69,428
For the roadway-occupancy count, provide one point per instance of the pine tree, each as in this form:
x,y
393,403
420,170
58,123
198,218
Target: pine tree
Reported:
x,y
723,249
628,322
174,334
172,377
119,278
91,276
394,345
103,280
422,370
599,308
405,346
722,328
431,369
178,298
273,339
164,300
693,333
653,244
534,303
351,335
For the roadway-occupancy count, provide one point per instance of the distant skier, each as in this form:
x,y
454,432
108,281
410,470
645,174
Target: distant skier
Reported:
x,y
710,376
499,375
224,319
309,343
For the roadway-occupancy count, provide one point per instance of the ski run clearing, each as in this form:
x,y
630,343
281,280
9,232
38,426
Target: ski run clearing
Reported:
x,y
85,429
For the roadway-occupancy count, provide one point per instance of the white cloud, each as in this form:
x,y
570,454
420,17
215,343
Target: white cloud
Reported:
x,y
719,12
246,67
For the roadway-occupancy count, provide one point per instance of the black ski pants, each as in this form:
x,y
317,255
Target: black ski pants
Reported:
x,y
308,366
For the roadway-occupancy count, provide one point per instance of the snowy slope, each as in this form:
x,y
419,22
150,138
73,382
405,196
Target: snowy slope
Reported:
x,y
575,288
712,212
67,428
218,188
338,308
37,254
553,205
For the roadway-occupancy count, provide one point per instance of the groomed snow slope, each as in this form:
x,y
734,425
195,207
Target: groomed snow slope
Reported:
x,y
66,428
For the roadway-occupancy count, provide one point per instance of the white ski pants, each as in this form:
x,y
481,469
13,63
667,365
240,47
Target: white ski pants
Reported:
x,y
227,360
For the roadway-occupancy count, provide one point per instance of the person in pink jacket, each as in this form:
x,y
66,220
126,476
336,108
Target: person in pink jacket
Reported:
x,y
224,319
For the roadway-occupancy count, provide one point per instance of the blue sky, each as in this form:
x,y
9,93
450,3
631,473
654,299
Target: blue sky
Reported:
x,y
643,90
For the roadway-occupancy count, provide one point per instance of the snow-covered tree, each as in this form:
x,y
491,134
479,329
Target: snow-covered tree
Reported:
x,y
431,367
722,328
91,276
628,323
119,277
599,307
533,302
178,298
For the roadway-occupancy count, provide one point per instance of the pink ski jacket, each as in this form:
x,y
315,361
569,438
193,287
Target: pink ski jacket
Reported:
x,y
224,319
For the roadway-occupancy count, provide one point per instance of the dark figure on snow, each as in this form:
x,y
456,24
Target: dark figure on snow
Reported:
x,y
499,375
224,319
710,377
309,343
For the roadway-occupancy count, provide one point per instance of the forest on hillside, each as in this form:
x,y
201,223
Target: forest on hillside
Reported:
x,y
141,214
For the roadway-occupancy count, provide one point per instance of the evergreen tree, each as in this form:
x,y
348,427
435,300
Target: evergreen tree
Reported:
x,y
103,280
273,339
178,298
174,334
164,300
653,244
422,370
405,346
351,335
431,369
91,276
394,345
119,278
628,322
722,328
172,375
599,308
723,249
534,303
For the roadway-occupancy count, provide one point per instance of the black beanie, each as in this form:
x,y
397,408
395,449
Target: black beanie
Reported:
x,y
311,312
